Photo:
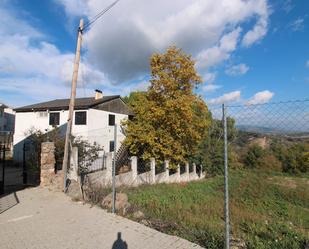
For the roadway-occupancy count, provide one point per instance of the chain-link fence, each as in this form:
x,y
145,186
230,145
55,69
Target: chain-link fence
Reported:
x,y
268,136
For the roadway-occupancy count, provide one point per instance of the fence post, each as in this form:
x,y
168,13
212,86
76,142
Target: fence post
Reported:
x,y
3,169
134,168
153,170
166,170
194,170
178,173
109,168
114,169
24,165
187,171
226,186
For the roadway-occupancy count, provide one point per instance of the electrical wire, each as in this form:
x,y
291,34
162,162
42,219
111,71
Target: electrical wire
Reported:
x,y
99,15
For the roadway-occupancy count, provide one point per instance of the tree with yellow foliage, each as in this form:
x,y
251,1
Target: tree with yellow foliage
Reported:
x,y
170,120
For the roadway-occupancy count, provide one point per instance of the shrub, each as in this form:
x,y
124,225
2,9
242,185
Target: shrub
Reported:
x,y
253,156
269,162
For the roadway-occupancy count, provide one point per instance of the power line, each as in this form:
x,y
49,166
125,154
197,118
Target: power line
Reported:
x,y
99,15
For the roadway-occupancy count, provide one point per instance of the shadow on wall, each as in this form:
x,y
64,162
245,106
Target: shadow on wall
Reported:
x,y
119,243
27,156
18,152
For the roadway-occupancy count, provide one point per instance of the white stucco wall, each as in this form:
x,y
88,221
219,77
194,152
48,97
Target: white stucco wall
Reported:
x,y
99,130
7,117
96,129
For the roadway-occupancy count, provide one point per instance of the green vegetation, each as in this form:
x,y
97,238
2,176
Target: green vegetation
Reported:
x,y
268,210
87,152
248,150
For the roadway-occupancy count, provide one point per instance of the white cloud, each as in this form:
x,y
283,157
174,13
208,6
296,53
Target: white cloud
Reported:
x,y
225,98
74,7
219,53
235,70
210,88
34,68
288,6
307,63
254,35
121,42
260,28
261,98
209,77
297,24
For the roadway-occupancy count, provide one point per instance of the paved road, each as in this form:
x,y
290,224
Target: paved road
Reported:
x,y
47,220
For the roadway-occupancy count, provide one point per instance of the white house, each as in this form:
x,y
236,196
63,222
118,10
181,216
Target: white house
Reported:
x,y
94,120
7,119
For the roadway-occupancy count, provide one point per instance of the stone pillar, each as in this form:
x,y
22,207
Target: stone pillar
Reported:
x,y
194,168
134,167
109,168
47,163
152,170
187,171
73,171
166,170
178,173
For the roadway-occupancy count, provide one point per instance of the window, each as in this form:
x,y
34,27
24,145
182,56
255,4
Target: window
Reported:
x,y
111,119
80,118
42,114
111,146
54,118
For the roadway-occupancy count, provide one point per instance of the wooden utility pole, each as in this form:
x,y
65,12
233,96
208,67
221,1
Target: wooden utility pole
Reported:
x,y
72,104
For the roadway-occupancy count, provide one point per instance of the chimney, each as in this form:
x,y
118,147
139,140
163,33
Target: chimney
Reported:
x,y
98,94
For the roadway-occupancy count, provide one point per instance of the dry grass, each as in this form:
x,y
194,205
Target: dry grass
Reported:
x,y
262,211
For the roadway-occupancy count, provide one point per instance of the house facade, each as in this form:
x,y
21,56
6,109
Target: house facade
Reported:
x,y
94,120
7,120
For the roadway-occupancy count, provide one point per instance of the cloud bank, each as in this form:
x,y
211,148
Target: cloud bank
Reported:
x,y
119,45
122,41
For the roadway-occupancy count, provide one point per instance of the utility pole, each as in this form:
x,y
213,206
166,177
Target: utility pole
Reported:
x,y
72,104
114,170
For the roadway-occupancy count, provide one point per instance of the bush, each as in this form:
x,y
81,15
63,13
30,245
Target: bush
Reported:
x,y
254,156
270,163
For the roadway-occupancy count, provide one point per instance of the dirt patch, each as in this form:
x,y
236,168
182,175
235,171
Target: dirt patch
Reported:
x,y
285,181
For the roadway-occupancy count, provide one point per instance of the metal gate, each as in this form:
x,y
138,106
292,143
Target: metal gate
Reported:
x,y
2,168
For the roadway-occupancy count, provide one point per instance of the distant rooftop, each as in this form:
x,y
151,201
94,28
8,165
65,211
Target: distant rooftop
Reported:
x,y
63,104
3,105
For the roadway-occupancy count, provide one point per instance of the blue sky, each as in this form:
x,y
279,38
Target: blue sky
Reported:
x,y
252,51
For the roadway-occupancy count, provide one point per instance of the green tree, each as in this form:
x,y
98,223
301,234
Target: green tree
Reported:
x,y
210,151
170,120
253,156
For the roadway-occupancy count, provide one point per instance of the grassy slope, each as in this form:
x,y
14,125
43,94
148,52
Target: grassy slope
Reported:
x,y
267,210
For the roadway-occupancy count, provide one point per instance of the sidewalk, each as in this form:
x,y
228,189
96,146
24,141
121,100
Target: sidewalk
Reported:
x,y
48,220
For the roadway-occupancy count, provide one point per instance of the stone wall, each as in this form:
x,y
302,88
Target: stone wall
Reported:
x,y
132,178
48,176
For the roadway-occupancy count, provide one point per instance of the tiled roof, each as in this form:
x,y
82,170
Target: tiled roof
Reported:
x,y
63,104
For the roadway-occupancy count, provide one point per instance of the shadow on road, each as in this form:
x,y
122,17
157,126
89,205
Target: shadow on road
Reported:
x,y
119,243
8,201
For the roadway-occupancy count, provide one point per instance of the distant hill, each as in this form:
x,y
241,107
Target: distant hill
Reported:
x,y
260,129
